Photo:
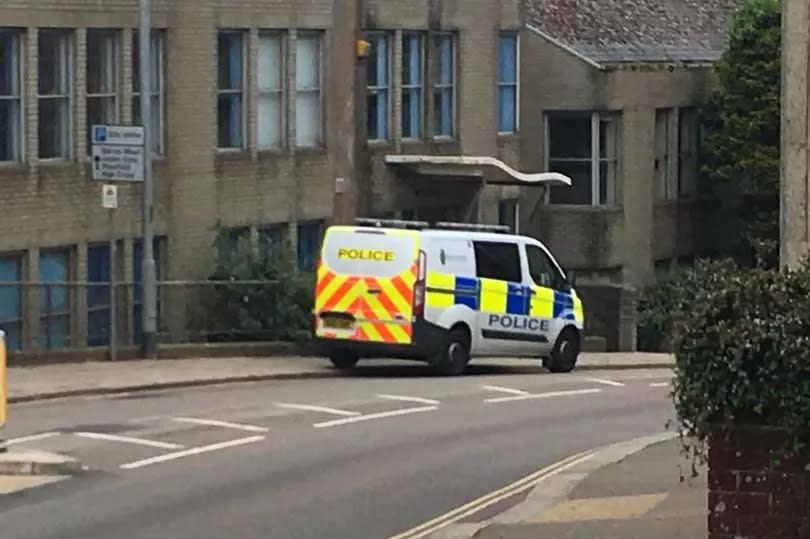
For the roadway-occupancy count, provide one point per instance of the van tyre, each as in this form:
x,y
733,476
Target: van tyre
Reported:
x,y
453,358
343,360
565,353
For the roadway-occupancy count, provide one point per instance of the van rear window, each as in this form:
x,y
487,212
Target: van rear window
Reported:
x,y
374,255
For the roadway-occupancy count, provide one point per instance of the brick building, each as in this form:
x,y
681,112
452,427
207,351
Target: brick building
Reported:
x,y
259,109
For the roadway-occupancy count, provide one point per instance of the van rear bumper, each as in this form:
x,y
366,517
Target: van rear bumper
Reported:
x,y
427,340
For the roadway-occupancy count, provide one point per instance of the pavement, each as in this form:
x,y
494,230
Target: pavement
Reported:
x,y
98,377
649,493
387,451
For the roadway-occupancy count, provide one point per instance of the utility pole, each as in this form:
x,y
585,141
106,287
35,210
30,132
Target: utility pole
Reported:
x,y
148,273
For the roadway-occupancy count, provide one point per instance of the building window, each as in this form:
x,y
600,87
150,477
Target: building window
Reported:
x,y
687,151
102,80
270,75
308,122
11,300
309,242
583,146
98,295
666,180
378,86
508,214
54,94
412,59
507,83
230,90
137,290
156,86
271,239
443,85
11,126
54,298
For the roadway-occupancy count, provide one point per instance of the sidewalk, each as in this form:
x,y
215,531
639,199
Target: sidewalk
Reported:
x,y
67,379
638,497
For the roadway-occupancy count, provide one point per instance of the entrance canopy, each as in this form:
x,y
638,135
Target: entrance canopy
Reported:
x,y
484,169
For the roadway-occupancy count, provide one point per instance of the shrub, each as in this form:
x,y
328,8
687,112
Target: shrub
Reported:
x,y
743,354
665,301
258,311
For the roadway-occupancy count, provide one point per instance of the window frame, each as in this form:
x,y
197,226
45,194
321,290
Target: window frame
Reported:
x,y
409,88
595,158
318,35
156,48
374,37
241,91
666,172
15,337
70,257
502,84
437,86
19,131
282,91
690,188
480,245
68,55
114,94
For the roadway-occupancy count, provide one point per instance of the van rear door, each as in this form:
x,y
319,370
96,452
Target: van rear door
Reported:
x,y
365,284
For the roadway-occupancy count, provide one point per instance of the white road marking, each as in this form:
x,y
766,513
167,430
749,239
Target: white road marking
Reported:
x,y
660,384
369,417
33,438
494,497
544,395
190,452
127,440
506,390
405,398
605,381
313,408
223,424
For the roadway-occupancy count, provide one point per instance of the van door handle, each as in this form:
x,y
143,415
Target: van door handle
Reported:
x,y
374,290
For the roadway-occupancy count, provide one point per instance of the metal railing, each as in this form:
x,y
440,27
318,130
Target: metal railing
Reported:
x,y
40,316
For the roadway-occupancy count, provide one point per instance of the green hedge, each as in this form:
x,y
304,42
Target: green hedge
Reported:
x,y
743,353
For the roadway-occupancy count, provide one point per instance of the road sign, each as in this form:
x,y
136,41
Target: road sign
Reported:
x,y
118,153
109,196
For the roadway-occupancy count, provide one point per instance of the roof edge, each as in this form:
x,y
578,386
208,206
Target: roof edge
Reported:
x,y
567,48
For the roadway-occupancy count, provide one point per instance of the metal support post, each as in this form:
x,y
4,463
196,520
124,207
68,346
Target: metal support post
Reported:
x,y
3,389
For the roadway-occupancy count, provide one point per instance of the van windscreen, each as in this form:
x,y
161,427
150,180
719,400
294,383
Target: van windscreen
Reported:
x,y
368,254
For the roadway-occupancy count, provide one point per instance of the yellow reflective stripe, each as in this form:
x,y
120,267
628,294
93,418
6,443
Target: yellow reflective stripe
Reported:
x,y
346,301
329,291
403,305
399,333
493,296
579,313
445,283
371,331
542,305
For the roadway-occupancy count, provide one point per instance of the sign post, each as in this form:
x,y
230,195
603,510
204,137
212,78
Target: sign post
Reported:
x,y
3,388
109,201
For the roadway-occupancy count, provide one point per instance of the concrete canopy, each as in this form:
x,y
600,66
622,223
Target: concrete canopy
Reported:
x,y
487,170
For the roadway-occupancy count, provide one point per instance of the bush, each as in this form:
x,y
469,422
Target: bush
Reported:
x,y
258,312
664,302
743,354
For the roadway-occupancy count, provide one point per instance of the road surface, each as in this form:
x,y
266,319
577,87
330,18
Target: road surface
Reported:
x,y
369,455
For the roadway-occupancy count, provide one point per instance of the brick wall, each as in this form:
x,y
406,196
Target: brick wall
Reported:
x,y
754,492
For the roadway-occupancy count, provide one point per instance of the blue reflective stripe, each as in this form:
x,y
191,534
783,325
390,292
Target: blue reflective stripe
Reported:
x,y
467,292
517,299
563,306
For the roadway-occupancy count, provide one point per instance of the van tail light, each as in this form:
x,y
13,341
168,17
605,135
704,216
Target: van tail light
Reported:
x,y
419,286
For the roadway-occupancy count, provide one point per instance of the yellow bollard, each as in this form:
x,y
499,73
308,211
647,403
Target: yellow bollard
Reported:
x,y
3,382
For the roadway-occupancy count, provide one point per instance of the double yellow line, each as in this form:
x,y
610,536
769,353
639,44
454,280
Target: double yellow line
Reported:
x,y
494,497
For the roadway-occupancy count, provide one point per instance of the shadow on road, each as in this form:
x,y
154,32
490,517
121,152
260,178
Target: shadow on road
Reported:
x,y
420,370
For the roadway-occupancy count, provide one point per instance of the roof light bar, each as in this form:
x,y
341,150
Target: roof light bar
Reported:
x,y
390,223
471,227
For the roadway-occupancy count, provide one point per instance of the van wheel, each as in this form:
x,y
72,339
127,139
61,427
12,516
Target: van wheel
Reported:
x,y
453,358
565,353
343,360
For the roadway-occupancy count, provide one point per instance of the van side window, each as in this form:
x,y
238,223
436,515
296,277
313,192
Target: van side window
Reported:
x,y
542,270
499,261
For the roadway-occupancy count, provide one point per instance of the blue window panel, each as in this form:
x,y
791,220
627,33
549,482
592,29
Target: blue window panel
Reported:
x,y
54,301
443,81
467,292
517,299
563,306
137,291
507,83
378,88
412,86
11,301
98,297
309,241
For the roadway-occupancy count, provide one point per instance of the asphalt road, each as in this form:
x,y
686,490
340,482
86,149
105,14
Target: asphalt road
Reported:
x,y
365,456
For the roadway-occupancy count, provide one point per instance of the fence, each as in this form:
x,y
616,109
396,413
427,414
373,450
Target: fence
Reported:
x,y
40,316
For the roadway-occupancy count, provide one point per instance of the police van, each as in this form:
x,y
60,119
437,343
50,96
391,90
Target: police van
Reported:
x,y
443,294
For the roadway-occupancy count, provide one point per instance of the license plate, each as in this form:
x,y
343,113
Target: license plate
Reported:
x,y
335,322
